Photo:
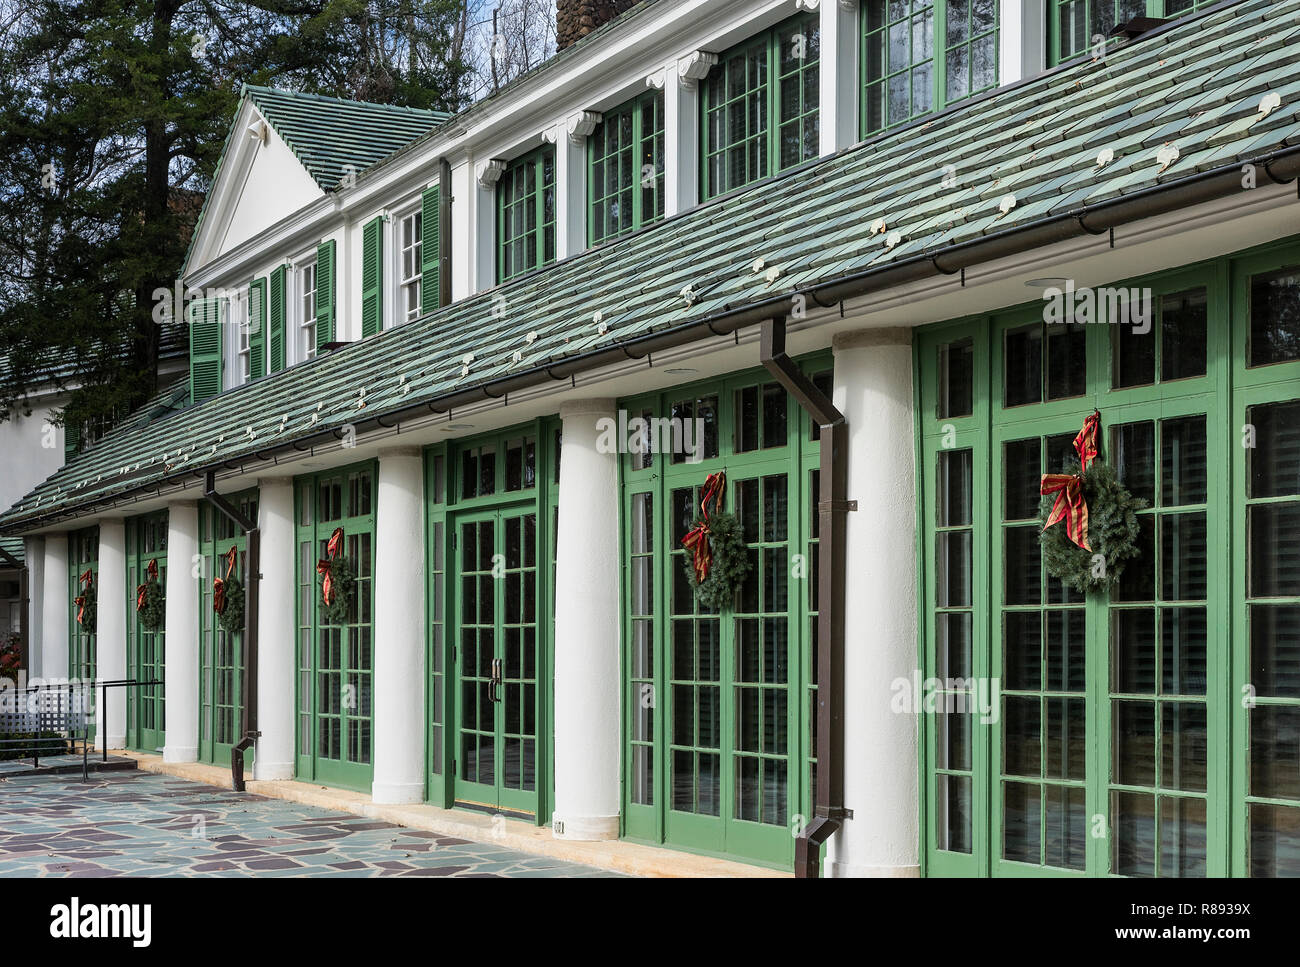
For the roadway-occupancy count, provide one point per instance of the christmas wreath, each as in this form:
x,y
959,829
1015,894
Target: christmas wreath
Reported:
x,y
228,596
1101,529
86,601
718,562
150,601
338,581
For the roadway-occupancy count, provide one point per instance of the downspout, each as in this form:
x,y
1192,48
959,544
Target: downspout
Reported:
x,y
248,676
444,233
832,507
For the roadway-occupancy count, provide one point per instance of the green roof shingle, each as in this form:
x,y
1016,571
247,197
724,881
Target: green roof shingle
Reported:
x,y
329,134
1038,140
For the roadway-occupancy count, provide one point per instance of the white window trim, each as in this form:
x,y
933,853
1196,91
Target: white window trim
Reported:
x,y
395,310
294,349
237,340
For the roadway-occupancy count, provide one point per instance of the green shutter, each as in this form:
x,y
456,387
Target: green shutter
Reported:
x,y
324,294
275,345
205,349
257,328
430,252
372,277
71,440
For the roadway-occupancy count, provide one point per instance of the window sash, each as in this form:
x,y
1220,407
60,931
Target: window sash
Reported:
x,y
1074,25
903,74
307,319
761,107
526,205
626,169
412,268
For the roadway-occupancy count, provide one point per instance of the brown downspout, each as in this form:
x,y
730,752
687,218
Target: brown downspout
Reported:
x,y
248,677
832,507
444,232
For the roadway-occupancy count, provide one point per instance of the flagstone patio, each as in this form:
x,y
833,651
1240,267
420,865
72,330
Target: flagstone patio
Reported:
x,y
135,823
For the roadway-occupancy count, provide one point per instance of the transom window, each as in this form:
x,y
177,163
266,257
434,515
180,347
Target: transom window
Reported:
x,y
526,214
307,311
412,266
761,106
627,169
921,55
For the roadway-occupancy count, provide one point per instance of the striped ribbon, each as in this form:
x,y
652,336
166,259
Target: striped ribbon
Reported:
x,y
325,566
1068,487
150,574
219,584
697,538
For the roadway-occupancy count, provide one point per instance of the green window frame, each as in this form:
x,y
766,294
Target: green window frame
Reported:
x,y
904,75
526,213
334,663
1135,734
221,653
760,107
83,556
625,157
146,540
489,486
1073,24
719,749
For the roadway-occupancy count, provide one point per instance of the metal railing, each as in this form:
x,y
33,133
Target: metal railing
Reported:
x,y
52,720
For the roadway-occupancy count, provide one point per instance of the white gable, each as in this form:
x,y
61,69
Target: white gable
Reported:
x,y
259,184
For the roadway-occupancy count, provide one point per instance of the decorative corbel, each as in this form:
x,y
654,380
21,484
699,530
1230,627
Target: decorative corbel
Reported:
x,y
657,79
581,125
489,173
695,66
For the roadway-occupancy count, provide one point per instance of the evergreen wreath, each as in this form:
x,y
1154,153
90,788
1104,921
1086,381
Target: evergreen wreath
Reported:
x,y
152,607
343,580
86,607
231,617
1113,532
730,563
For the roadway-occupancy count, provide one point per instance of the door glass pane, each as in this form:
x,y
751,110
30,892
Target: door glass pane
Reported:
x,y
956,379
1275,317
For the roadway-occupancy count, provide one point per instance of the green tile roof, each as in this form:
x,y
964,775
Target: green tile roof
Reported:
x,y
327,134
13,546
1197,86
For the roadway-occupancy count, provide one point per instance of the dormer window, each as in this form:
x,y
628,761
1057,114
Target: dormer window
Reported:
x,y
761,106
626,172
411,232
526,214
243,339
920,56
1077,26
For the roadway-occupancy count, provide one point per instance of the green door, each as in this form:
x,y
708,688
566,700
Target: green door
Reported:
x,y
336,658
221,652
83,583
496,661
146,541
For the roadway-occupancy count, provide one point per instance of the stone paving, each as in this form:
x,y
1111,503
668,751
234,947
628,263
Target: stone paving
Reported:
x,y
134,823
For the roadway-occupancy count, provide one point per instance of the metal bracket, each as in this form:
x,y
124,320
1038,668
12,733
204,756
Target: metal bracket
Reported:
x,y
846,506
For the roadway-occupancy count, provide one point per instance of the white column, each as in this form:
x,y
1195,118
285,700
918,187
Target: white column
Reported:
x,y
56,605
399,676
587,679
110,632
485,232
462,231
34,556
181,671
873,389
839,74
571,178
682,129
276,634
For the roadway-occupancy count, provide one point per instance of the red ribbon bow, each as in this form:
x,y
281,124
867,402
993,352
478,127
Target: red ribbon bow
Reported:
x,y
697,538
151,574
325,567
80,600
219,584
1068,487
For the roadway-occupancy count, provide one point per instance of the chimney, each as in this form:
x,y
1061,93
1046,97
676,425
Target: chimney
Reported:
x,y
574,19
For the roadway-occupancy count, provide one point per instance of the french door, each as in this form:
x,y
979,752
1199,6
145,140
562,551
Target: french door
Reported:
x,y
146,659
496,660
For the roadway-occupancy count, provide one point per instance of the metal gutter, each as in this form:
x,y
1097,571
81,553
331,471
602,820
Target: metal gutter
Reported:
x,y
833,507
248,676
1281,167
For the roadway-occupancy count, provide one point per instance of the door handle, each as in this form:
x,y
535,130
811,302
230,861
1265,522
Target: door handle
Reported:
x,y
494,685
